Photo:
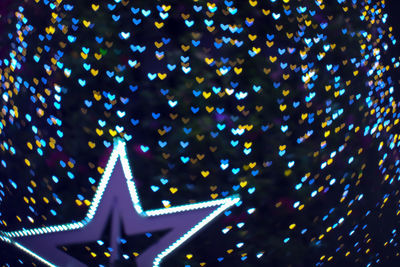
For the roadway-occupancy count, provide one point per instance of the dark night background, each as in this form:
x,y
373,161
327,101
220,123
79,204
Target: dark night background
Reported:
x,y
393,9
206,247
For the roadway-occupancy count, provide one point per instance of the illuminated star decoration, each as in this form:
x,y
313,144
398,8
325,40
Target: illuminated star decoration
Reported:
x,y
113,197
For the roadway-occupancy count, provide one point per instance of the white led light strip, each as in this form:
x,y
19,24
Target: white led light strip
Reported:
x,y
34,255
120,151
192,231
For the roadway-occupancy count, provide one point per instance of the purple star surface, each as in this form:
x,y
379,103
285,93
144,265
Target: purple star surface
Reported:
x,y
116,196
